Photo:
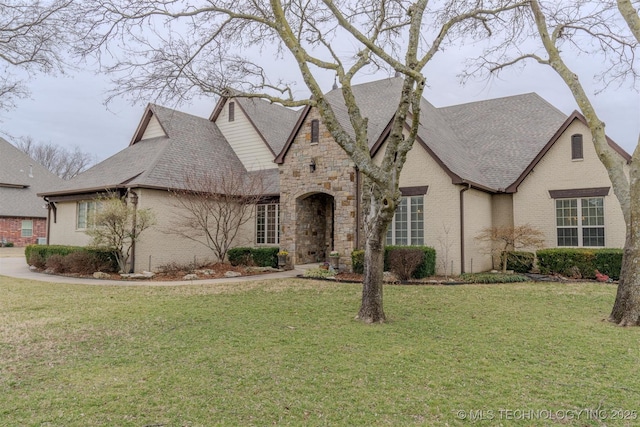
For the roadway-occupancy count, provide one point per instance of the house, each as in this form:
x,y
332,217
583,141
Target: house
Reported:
x,y
508,161
22,213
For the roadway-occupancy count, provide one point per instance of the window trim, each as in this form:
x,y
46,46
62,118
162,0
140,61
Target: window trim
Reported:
x,y
391,238
232,111
315,131
577,151
580,226
23,229
262,236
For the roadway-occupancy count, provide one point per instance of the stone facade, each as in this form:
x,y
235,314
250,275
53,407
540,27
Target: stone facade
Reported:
x,y
318,198
11,230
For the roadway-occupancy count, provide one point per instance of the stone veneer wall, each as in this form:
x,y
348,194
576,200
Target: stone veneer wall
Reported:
x,y
335,176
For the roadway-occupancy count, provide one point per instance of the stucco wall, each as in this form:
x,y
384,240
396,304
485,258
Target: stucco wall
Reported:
x,y
557,171
63,230
163,246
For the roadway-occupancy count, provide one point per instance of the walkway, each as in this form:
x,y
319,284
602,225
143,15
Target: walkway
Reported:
x,y
14,265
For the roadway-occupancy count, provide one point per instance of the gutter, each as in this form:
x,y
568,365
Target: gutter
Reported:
x,y
462,255
134,202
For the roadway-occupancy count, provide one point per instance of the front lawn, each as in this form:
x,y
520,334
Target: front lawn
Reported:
x,y
290,353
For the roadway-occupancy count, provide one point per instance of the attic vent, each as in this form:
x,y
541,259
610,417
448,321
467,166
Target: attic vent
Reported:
x,y
232,111
315,130
576,147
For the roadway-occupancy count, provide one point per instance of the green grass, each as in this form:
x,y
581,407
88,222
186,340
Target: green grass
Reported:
x,y
290,353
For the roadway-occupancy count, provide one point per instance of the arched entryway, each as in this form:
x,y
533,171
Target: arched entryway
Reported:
x,y
314,227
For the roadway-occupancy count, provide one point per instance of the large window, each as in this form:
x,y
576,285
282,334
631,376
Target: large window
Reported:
x,y
407,227
580,221
27,228
267,224
86,215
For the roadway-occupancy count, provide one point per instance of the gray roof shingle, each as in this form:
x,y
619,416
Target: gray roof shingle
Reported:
x,y
21,179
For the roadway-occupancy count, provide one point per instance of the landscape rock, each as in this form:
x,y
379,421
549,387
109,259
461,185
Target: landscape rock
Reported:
x,y
190,277
101,275
232,274
143,275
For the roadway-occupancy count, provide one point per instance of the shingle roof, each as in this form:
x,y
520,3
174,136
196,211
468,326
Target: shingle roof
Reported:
x,y
21,178
273,121
488,143
193,145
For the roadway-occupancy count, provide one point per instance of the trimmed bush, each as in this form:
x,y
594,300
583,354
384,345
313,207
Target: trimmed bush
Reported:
x,y
580,263
85,262
265,257
520,262
56,264
492,278
357,261
609,262
262,257
319,273
425,269
403,262
239,256
38,255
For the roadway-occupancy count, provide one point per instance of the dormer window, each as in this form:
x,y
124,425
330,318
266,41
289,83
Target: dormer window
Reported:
x,y
232,110
315,131
576,147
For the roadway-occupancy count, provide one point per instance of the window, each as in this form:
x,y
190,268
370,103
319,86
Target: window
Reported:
x,y
315,130
580,222
86,215
407,227
267,224
576,147
232,111
27,228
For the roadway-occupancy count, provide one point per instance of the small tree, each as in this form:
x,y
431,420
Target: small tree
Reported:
x,y
502,240
118,226
215,207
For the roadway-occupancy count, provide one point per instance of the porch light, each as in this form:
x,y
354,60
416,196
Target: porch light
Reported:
x,y
312,166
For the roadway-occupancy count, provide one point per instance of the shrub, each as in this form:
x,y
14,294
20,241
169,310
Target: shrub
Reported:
x,y
492,278
56,264
239,256
609,262
403,262
520,262
38,255
7,244
265,257
580,263
425,269
357,261
319,273
37,260
84,262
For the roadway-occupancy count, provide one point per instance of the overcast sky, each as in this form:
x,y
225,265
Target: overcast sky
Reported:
x,y
69,110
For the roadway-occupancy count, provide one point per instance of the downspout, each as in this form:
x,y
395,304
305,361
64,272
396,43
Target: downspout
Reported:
x,y
134,202
462,260
48,219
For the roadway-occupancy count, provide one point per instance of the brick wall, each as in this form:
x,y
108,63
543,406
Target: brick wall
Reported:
x,y
11,230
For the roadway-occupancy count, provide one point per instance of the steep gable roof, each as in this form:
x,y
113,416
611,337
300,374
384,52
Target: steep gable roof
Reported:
x,y
21,178
273,122
192,145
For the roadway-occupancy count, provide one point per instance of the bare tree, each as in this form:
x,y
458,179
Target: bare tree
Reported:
x,y
32,37
64,162
552,31
176,49
117,224
214,208
502,240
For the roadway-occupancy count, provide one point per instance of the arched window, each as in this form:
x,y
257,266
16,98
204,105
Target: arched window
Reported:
x,y
576,147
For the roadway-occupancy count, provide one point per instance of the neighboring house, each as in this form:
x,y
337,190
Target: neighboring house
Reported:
x,y
22,213
502,162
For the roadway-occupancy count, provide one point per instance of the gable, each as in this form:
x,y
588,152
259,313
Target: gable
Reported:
x,y
242,135
153,129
